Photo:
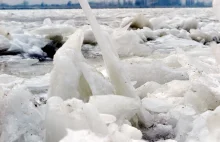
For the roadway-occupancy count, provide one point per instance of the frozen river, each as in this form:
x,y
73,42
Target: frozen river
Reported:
x,y
170,56
22,22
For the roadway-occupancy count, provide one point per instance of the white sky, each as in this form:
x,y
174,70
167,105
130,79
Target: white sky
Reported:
x,y
12,2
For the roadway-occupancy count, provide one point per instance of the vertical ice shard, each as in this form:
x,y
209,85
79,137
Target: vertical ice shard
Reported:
x,y
216,8
66,78
72,76
122,84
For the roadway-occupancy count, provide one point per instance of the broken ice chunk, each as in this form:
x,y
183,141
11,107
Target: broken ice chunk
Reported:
x,y
156,105
132,132
119,106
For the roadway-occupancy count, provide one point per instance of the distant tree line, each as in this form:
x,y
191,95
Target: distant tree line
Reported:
x,y
104,4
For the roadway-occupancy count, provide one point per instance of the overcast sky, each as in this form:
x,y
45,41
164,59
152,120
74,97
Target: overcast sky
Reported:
x,y
14,2
65,1
35,1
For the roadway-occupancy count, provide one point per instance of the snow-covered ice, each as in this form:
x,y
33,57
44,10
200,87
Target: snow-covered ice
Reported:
x,y
142,75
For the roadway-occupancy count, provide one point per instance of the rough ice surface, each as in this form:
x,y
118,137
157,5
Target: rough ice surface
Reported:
x,y
20,117
160,22
54,30
156,105
190,23
170,60
140,21
126,106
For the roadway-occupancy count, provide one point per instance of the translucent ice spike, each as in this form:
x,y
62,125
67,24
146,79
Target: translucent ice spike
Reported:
x,y
216,8
121,83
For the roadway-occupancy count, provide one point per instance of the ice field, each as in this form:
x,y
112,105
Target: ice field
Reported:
x,y
143,75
